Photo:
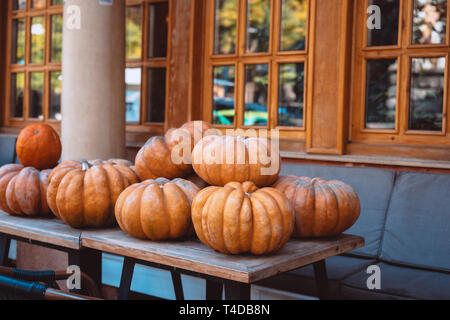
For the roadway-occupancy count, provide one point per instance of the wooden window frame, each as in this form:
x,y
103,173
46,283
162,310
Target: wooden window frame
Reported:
x,y
273,58
400,141
46,67
142,129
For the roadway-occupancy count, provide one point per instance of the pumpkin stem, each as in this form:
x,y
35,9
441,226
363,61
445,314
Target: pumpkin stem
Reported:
x,y
85,165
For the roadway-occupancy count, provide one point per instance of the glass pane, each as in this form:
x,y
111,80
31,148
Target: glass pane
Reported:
x,y
57,2
37,39
133,94
429,21
157,30
17,90
290,94
387,34
258,25
36,95
427,93
294,18
134,32
223,93
156,98
19,4
381,93
256,89
225,26
38,4
55,95
57,27
18,41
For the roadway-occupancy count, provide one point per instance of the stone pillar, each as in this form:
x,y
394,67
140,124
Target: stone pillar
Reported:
x,y
93,93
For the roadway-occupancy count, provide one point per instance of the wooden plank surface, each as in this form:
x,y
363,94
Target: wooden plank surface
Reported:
x,y
47,230
194,256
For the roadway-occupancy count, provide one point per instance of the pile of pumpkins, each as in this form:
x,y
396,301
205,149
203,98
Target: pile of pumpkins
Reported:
x,y
229,205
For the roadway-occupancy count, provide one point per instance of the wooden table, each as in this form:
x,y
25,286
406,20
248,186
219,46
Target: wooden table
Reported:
x,y
235,273
50,233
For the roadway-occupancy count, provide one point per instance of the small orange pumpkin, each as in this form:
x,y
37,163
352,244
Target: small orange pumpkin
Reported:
x,y
38,146
322,208
156,209
23,191
240,218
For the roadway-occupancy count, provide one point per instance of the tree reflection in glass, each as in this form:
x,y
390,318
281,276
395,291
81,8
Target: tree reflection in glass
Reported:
x,y
226,13
133,24
427,93
429,21
37,39
290,95
223,95
387,35
55,95
18,41
17,92
258,26
56,45
256,94
294,19
36,95
19,4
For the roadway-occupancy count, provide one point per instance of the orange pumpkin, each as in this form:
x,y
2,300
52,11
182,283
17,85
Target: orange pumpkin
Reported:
x,y
322,208
23,191
222,159
38,146
156,209
154,159
240,218
84,195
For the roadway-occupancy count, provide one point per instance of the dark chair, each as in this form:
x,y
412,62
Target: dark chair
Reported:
x,y
7,149
22,284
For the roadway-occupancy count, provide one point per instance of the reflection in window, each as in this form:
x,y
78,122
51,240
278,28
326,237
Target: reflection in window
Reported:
x,y
156,95
19,4
387,35
18,41
223,93
134,32
55,95
258,26
36,95
133,94
57,2
294,17
56,41
17,93
256,94
37,39
381,93
290,94
225,26
429,21
38,4
157,42
427,93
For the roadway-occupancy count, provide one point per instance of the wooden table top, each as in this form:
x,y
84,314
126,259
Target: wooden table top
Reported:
x,y
47,230
194,256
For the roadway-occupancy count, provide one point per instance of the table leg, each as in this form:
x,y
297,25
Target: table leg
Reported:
x,y
214,289
320,271
236,290
177,284
89,262
126,278
4,249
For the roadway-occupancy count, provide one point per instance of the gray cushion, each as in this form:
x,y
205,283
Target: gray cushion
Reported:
x,y
418,222
7,147
373,186
402,282
303,280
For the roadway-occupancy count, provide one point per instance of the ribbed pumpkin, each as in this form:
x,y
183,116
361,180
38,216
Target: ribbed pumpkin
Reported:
x,y
322,208
157,209
222,159
23,191
240,218
84,195
154,159
38,146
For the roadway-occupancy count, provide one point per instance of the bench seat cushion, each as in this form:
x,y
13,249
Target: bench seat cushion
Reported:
x,y
302,280
399,282
374,188
417,231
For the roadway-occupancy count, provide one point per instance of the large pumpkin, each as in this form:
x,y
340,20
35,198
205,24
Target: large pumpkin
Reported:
x,y
322,208
222,159
157,209
23,191
84,195
38,146
240,218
